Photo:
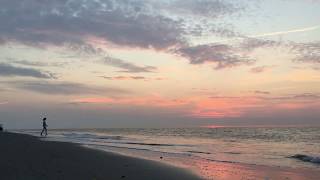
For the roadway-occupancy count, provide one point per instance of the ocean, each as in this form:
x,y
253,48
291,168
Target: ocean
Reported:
x,y
291,147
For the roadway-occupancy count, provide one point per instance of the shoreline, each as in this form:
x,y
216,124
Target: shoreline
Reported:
x,y
27,157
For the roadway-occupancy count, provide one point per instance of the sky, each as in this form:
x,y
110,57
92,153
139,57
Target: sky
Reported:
x,y
159,63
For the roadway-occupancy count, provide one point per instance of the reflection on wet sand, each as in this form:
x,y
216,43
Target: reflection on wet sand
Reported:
x,y
232,171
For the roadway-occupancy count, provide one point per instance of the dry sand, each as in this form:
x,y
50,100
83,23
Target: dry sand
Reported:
x,y
24,157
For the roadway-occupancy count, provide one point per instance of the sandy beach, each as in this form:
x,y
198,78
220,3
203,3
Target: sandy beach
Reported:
x,y
28,158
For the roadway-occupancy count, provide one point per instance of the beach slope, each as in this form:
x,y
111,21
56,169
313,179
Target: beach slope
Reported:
x,y
28,158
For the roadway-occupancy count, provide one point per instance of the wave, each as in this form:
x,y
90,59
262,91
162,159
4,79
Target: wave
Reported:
x,y
91,136
306,158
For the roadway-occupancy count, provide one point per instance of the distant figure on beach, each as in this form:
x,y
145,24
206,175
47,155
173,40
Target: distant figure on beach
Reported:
x,y
44,127
1,128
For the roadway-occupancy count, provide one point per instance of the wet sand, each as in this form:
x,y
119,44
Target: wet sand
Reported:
x,y
235,171
24,157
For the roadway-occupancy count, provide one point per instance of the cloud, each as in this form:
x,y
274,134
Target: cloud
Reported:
x,y
9,70
262,105
127,66
238,36
260,69
306,52
65,88
303,52
144,24
204,8
121,78
302,96
261,92
201,17
161,25
150,101
223,55
249,44
307,96
124,77
35,63
128,23
138,23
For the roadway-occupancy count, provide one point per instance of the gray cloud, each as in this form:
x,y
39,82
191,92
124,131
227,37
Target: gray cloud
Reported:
x,y
294,97
139,23
128,67
261,92
250,44
306,52
134,23
289,97
36,63
132,78
226,56
124,77
260,69
9,70
58,22
64,88
223,55
307,96
204,8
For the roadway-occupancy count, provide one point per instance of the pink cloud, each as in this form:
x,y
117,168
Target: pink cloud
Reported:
x,y
138,101
212,107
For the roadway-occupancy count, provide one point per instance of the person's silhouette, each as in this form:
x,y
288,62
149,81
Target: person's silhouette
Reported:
x,y
44,127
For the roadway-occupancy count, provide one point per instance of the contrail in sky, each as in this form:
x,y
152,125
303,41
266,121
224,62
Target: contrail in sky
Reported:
x,y
312,28
286,32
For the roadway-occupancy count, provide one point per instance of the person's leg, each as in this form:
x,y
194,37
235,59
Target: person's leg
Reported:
x,y
42,132
46,131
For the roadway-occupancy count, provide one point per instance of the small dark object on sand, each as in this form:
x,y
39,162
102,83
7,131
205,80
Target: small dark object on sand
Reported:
x,y
1,128
161,157
123,176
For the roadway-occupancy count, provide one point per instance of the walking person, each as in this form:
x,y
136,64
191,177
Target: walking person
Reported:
x,y
44,127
